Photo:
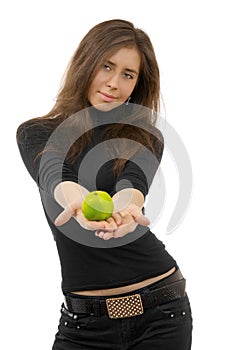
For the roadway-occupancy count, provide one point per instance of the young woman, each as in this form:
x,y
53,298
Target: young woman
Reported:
x,y
122,289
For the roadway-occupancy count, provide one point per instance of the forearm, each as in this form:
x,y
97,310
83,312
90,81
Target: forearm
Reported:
x,y
126,197
68,192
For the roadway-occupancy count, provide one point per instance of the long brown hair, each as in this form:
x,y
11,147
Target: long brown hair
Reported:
x,y
100,43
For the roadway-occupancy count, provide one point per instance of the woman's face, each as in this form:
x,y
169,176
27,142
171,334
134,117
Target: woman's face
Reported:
x,y
115,80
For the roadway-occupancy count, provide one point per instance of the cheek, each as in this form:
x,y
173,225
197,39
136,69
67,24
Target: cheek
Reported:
x,y
93,87
98,80
127,90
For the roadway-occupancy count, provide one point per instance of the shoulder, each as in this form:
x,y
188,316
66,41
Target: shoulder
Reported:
x,y
33,131
156,134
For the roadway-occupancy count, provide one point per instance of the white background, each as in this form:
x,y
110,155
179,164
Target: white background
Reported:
x,y
193,44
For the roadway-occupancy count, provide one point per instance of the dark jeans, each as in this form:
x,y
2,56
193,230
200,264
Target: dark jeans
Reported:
x,y
164,327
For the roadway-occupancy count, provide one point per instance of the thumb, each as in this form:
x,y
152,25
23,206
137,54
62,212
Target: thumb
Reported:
x,y
142,220
65,216
138,216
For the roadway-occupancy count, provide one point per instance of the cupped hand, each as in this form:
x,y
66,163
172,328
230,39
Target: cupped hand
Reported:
x,y
77,214
126,221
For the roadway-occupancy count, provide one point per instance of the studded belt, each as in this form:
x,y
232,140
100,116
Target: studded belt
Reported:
x,y
127,305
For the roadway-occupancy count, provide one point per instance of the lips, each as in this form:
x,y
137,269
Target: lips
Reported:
x,y
107,97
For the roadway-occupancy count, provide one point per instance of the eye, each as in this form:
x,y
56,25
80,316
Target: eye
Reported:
x,y
107,67
128,76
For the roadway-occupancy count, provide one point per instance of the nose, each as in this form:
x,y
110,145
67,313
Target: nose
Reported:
x,y
113,81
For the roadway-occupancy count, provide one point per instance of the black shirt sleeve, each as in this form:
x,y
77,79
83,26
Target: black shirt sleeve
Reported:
x,y
140,170
48,168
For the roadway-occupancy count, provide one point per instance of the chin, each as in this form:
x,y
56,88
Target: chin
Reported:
x,y
107,106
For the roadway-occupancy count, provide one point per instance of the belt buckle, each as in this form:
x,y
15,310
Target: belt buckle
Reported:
x,y
122,307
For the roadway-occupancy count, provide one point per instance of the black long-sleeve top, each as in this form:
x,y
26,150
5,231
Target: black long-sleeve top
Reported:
x,y
88,262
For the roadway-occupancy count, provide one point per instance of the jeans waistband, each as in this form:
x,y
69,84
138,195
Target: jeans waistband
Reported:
x,y
129,305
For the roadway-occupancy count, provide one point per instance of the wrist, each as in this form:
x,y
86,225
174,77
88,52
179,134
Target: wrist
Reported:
x,y
69,193
127,197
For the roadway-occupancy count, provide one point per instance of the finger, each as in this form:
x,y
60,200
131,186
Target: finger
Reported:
x,y
104,235
117,218
138,216
125,229
101,234
97,224
108,236
141,219
92,225
65,216
105,225
112,223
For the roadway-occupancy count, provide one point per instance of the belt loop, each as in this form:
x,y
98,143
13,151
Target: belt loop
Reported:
x,y
68,304
150,297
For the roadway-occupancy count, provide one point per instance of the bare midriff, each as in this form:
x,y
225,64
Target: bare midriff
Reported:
x,y
125,289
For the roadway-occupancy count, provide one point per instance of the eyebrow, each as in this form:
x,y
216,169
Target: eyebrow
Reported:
x,y
128,69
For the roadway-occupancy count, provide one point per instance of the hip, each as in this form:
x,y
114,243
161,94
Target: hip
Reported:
x,y
162,319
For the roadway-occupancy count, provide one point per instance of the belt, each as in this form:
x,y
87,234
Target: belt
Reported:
x,y
126,305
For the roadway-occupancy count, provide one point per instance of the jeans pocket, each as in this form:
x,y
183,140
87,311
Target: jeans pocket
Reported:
x,y
72,325
179,309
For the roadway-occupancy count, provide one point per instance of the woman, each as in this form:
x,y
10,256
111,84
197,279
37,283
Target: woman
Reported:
x,y
122,289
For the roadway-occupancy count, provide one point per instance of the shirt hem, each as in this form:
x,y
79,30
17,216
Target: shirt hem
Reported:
x,y
117,284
